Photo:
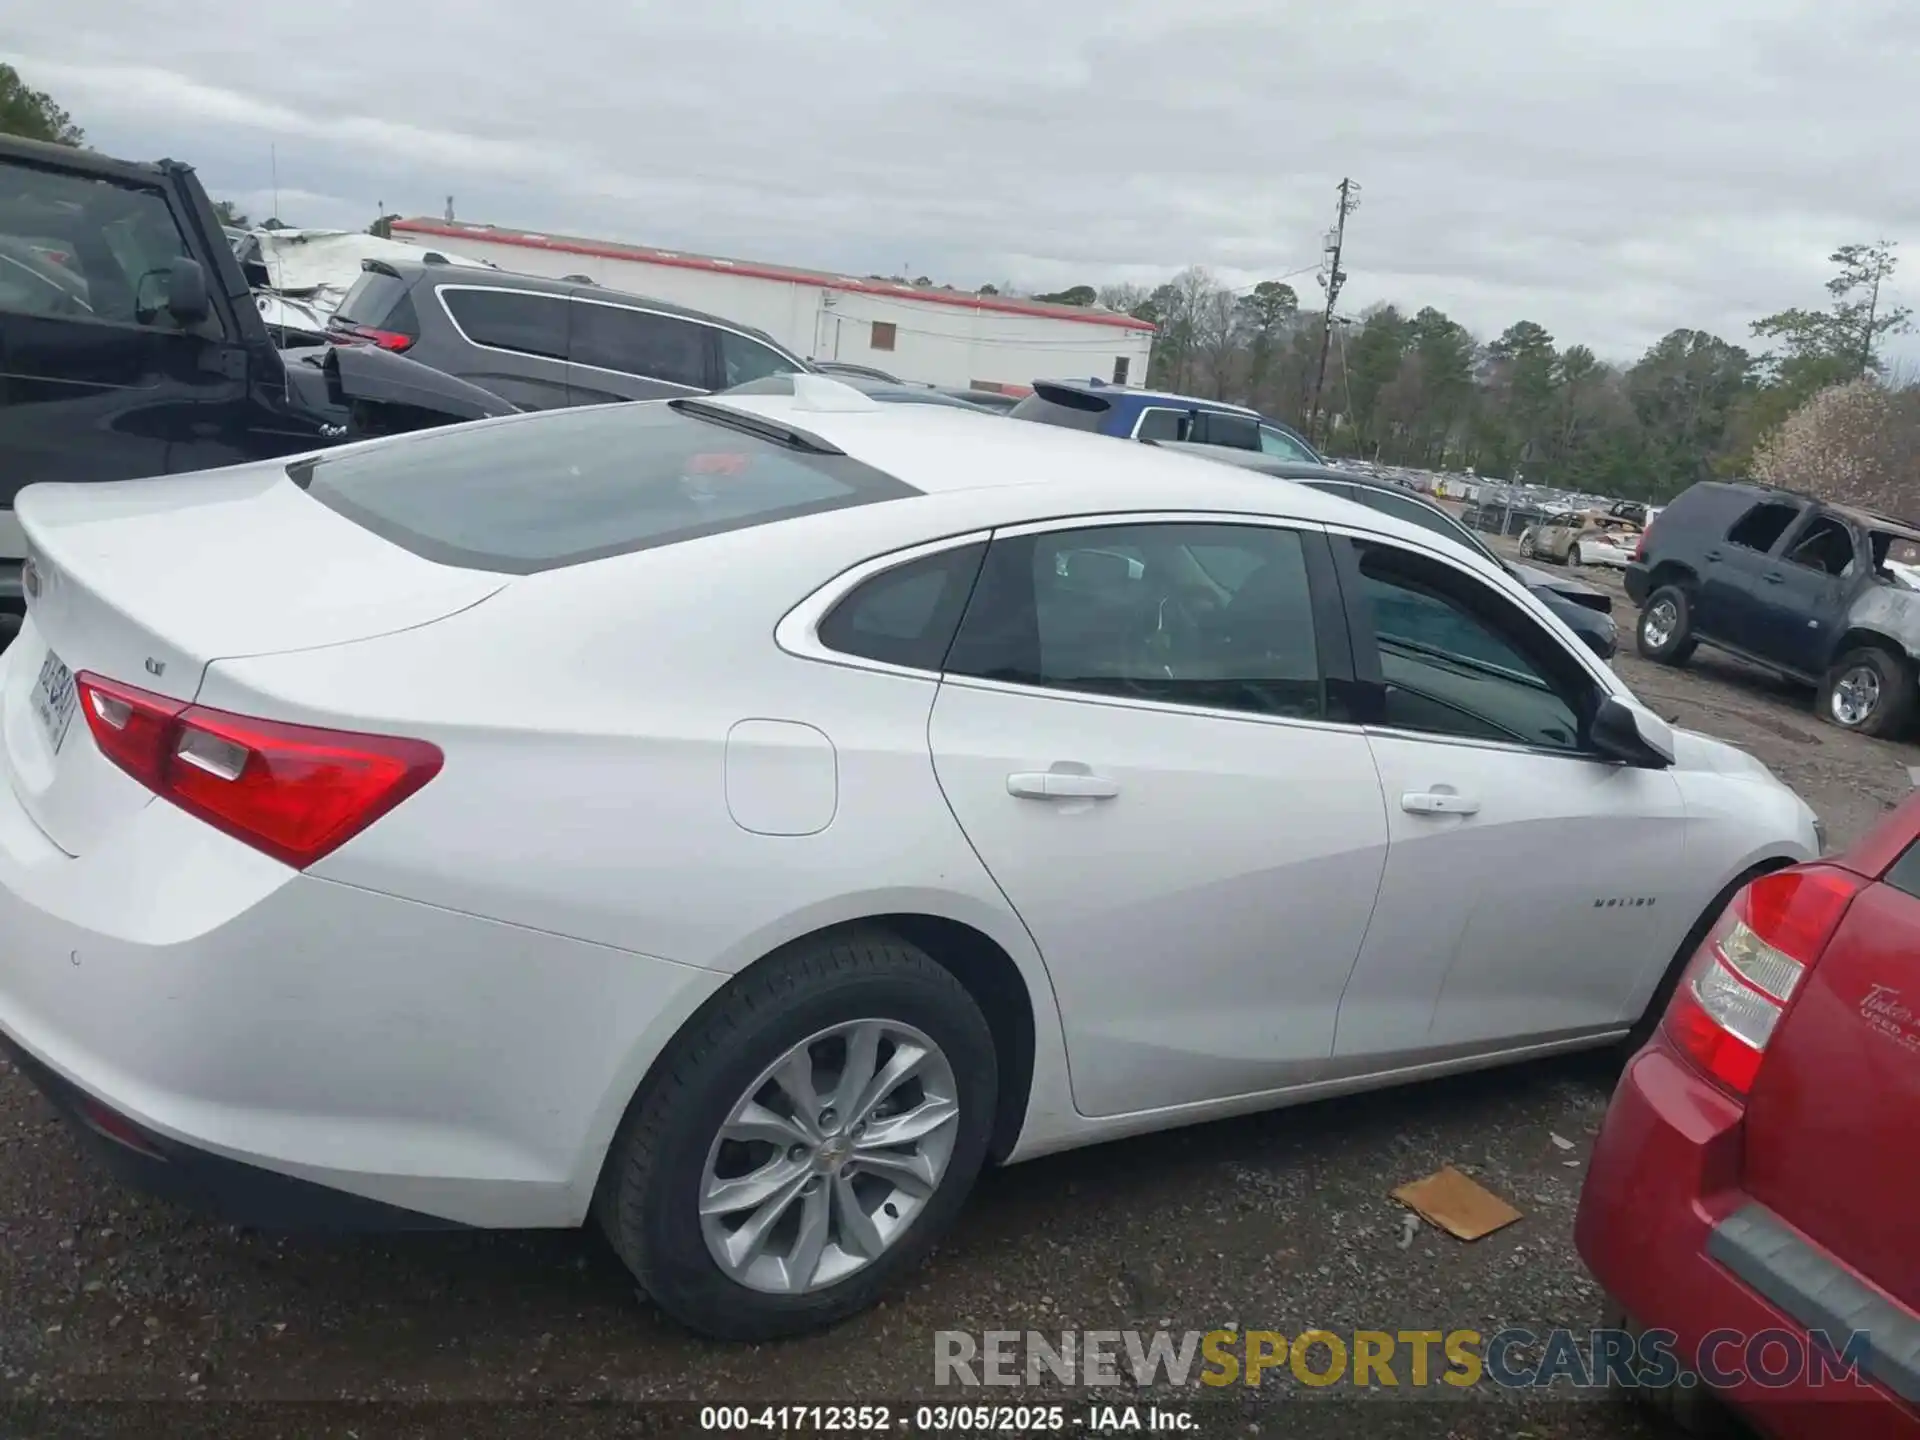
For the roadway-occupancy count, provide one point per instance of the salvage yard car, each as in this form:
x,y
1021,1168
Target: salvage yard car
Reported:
x,y
737,819
1755,1173
545,343
1581,539
1131,413
130,345
1805,588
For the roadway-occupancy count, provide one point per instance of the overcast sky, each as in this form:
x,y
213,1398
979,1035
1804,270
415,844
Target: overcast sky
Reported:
x,y
1609,168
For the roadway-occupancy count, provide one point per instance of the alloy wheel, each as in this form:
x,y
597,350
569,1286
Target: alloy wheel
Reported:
x,y
1660,623
826,1160
1856,696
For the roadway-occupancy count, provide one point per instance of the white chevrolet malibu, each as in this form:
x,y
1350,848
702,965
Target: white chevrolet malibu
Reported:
x,y
740,819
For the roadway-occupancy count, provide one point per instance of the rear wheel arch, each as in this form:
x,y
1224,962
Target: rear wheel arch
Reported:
x,y
1672,572
984,969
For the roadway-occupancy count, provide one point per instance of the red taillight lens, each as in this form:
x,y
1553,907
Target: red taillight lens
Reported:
x,y
1640,547
296,792
394,340
1735,991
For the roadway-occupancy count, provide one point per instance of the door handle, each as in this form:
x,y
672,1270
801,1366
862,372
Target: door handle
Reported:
x,y
1776,578
1713,554
1438,802
1060,785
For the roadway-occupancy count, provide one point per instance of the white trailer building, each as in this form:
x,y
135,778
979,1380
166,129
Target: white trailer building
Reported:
x,y
943,337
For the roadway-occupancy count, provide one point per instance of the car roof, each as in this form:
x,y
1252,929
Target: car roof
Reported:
x,y
976,462
488,278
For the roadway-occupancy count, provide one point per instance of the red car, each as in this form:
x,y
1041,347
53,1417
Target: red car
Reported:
x,y
1753,1203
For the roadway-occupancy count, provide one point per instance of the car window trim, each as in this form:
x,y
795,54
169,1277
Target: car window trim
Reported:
x,y
1346,563
798,631
440,293
1332,641
713,327
1507,585
1800,512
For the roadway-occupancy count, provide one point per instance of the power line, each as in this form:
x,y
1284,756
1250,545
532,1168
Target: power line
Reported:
x,y
1332,277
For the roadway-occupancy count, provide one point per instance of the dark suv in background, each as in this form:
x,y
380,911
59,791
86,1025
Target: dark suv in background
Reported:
x,y
1801,587
1133,414
544,344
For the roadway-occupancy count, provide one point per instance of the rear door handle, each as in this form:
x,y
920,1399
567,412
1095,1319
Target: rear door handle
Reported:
x,y
1060,785
1776,578
1713,554
1438,802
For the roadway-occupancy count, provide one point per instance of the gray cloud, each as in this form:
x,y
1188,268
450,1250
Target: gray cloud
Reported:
x,y
1610,169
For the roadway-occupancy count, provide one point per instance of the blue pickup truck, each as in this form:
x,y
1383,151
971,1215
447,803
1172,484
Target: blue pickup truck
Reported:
x,y
1135,414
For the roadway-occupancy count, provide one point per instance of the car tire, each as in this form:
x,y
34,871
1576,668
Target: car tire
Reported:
x,y
1869,691
1665,632
670,1161
1573,554
1526,544
1690,1408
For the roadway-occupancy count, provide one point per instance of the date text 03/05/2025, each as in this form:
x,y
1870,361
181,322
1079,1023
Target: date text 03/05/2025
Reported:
x,y
955,1419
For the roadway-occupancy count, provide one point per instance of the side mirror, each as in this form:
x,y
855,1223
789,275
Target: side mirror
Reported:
x,y
187,299
1626,732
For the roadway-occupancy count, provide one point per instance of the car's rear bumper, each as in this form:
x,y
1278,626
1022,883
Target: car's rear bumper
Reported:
x,y
1659,1223
433,1063
1639,582
240,1193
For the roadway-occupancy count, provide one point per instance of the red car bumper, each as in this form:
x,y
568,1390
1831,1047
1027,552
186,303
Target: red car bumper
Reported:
x,y
1664,1177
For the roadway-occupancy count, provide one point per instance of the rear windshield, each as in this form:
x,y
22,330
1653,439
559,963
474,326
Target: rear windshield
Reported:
x,y
1051,405
372,300
538,492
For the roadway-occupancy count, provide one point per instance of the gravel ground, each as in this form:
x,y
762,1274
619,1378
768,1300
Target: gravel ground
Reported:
x,y
123,1315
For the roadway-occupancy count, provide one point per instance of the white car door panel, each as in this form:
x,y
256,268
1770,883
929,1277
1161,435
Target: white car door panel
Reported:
x,y
1198,886
1525,874
1498,924
1135,733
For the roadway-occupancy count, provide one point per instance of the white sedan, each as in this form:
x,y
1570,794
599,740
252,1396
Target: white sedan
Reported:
x,y
739,819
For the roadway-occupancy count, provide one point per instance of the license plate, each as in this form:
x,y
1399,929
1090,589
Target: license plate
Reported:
x,y
54,700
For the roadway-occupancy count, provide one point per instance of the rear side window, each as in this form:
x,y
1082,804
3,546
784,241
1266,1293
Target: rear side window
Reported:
x,y
906,616
640,342
537,492
1234,432
1761,526
510,319
1160,424
1053,405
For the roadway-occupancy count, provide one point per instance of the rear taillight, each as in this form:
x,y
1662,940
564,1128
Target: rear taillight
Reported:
x,y
1733,994
1640,548
296,792
394,340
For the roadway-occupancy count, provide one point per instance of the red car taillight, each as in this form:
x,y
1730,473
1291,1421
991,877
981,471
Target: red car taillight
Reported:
x,y
394,340
1733,994
296,792
1640,550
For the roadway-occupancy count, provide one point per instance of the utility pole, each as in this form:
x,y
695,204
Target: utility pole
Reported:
x,y
1331,278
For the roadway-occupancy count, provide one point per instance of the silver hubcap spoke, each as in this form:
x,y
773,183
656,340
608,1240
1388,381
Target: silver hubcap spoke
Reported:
x,y
1855,697
829,1156
1660,622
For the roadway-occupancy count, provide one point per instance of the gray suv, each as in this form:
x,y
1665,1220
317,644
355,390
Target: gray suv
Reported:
x,y
543,344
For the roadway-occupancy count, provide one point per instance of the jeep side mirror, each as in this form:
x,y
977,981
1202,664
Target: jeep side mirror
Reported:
x,y
187,299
